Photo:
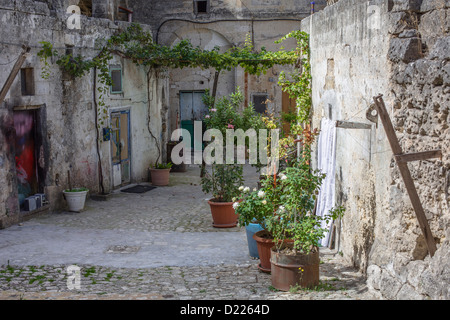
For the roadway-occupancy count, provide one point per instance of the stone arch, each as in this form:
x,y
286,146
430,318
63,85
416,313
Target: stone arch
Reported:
x,y
204,38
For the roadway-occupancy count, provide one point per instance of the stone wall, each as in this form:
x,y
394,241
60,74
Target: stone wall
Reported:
x,y
226,24
66,106
398,49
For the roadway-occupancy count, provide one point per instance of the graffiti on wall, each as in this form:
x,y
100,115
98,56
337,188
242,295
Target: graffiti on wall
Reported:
x,y
25,125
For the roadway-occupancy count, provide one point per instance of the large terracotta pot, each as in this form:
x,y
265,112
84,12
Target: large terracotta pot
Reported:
x,y
223,214
289,270
263,245
160,177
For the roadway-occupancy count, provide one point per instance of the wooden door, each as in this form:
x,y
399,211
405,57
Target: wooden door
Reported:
x,y
120,148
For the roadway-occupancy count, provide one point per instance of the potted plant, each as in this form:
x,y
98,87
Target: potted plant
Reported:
x,y
160,174
252,211
223,181
75,198
296,262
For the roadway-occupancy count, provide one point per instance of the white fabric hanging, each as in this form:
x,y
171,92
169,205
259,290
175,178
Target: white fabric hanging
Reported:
x,y
326,163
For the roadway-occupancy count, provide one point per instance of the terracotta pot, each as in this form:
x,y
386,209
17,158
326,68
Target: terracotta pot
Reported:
x,y
223,214
160,177
263,245
289,270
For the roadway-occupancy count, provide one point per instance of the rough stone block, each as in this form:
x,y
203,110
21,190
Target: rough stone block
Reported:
x,y
6,4
401,21
407,292
440,49
405,5
433,24
428,5
389,286
405,49
373,276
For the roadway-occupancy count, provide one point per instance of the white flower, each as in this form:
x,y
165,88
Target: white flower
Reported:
x,y
254,189
233,199
246,189
283,176
261,194
281,209
235,205
241,188
264,202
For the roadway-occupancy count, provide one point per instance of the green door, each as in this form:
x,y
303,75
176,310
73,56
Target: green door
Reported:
x,y
192,109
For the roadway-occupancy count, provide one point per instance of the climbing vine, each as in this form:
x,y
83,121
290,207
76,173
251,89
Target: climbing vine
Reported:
x,y
138,46
298,83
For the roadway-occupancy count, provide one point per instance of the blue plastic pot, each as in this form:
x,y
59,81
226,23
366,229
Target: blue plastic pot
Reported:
x,y
251,229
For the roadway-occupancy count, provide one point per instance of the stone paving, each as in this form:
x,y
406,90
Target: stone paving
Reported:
x,y
159,245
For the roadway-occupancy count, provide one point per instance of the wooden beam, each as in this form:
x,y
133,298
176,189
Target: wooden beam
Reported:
x,y
406,157
15,70
406,174
352,125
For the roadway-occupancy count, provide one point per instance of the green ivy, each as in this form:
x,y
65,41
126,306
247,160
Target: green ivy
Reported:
x,y
138,46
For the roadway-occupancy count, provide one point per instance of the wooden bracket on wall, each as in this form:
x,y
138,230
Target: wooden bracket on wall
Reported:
x,y
352,125
402,162
15,70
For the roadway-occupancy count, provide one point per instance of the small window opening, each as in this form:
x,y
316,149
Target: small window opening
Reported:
x,y
27,81
201,6
116,77
86,7
260,102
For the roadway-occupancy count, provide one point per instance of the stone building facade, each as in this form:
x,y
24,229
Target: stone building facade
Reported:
x,y
48,125
225,24
61,110
400,49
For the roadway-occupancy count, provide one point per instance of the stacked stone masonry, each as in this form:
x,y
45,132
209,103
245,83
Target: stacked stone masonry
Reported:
x,y
404,48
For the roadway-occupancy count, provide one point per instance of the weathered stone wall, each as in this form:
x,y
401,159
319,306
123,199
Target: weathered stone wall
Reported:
x,y
67,105
399,49
419,54
227,24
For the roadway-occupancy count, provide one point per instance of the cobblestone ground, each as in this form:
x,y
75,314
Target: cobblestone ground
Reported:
x,y
180,208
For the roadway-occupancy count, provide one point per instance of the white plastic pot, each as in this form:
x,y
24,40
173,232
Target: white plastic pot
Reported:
x,y
75,200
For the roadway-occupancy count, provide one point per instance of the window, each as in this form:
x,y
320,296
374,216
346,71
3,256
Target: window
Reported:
x,y
86,7
27,81
201,6
116,77
259,101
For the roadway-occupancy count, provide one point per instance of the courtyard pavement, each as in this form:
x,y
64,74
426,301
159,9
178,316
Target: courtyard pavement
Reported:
x,y
158,245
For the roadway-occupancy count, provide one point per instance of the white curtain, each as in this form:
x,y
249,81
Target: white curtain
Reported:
x,y
326,163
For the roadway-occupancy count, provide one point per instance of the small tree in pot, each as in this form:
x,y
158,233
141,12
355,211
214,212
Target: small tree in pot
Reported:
x,y
296,263
224,179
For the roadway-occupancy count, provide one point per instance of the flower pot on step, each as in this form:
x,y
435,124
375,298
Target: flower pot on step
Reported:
x,y
263,244
75,199
160,177
293,270
223,214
